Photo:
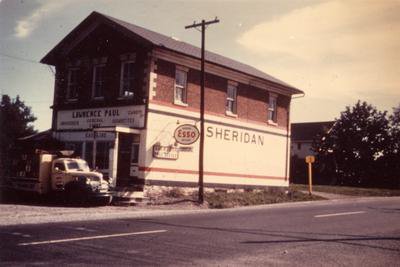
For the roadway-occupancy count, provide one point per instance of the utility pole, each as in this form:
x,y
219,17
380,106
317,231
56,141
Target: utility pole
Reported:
x,y
202,24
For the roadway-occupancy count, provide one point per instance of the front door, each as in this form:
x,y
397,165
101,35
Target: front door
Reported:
x,y
128,160
124,159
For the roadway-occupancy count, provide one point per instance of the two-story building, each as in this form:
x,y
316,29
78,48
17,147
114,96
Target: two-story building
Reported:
x,y
122,90
303,135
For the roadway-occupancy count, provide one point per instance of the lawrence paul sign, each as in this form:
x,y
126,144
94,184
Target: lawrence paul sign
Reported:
x,y
129,116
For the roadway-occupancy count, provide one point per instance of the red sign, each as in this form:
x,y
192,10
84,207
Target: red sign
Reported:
x,y
186,134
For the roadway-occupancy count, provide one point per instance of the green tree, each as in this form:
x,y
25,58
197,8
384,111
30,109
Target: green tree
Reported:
x,y
15,121
355,146
392,155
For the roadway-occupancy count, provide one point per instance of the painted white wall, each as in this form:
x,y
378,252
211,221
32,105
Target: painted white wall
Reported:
x,y
242,163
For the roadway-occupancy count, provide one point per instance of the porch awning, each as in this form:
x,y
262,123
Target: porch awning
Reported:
x,y
117,129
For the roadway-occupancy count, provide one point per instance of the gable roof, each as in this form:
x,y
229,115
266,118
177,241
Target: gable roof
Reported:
x,y
164,42
307,131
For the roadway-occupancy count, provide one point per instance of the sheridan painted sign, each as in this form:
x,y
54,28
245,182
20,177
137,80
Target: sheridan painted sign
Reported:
x,y
129,116
235,135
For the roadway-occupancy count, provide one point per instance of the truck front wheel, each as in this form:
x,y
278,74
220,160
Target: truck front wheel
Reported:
x,y
103,201
75,194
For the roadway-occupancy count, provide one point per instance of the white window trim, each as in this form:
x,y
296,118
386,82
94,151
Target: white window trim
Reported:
x,y
120,96
274,121
67,98
94,84
128,57
228,112
178,101
182,68
233,83
100,61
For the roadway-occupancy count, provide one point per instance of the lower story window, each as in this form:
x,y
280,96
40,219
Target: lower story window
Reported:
x,y
96,155
102,155
89,154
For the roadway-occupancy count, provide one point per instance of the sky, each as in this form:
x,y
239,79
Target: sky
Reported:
x,y
337,52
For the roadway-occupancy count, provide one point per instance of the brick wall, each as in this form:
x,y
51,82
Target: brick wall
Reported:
x,y
251,101
283,107
103,42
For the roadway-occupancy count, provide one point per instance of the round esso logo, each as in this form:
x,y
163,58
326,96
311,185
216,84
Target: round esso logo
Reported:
x,y
186,134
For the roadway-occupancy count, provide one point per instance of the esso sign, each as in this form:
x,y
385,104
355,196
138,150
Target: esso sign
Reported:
x,y
186,134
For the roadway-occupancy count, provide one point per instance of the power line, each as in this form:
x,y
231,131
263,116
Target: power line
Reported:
x,y
20,58
28,60
34,101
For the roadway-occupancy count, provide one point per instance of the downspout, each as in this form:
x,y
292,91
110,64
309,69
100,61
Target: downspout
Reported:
x,y
288,136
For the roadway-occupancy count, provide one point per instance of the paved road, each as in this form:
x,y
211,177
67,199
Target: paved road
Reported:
x,y
350,232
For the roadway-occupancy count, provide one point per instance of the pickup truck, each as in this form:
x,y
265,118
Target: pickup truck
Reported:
x,y
48,173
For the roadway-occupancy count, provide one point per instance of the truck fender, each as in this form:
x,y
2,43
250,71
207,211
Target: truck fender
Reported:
x,y
76,192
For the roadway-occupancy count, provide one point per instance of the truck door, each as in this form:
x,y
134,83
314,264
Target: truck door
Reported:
x,y
57,176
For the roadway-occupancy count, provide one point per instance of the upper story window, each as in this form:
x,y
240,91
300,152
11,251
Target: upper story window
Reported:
x,y
127,79
272,108
180,94
231,98
98,81
72,87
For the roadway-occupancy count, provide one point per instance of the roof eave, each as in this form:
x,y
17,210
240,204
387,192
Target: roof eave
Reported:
x,y
51,57
291,90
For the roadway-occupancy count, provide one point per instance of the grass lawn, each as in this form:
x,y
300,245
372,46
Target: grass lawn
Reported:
x,y
220,200
346,190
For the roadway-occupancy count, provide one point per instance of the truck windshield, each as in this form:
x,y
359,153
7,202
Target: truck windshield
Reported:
x,y
78,165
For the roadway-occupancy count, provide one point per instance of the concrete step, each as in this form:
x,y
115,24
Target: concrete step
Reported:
x,y
127,196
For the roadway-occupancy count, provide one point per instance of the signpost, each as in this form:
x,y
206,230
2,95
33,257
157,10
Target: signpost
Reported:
x,y
310,160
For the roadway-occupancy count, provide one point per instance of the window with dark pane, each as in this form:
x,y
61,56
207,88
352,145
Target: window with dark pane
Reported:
x,y
98,81
127,79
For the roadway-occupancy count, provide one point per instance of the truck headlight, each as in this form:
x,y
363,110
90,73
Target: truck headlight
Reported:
x,y
92,179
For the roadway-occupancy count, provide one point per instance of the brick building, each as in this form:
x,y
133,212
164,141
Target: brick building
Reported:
x,y
122,90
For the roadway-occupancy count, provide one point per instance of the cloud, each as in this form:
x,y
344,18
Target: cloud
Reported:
x,y
335,48
25,26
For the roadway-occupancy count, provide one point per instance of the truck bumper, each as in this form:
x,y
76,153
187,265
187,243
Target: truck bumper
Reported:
x,y
101,194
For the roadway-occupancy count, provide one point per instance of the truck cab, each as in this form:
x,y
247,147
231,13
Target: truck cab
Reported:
x,y
57,173
74,177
